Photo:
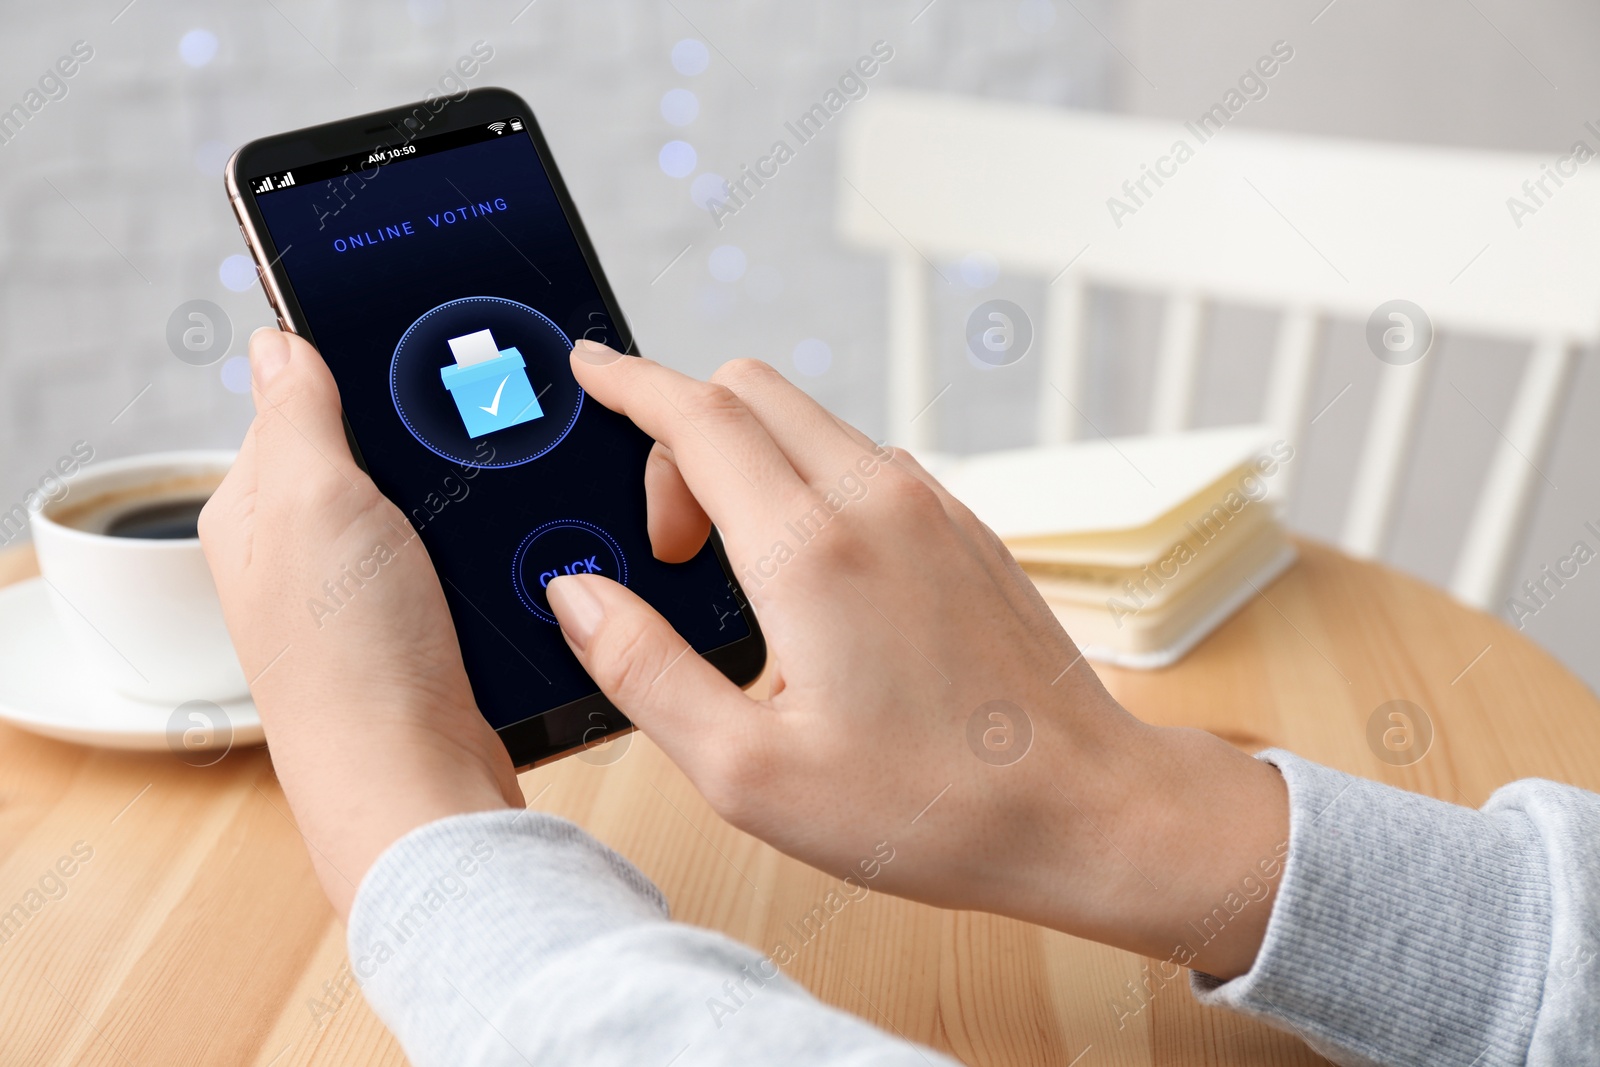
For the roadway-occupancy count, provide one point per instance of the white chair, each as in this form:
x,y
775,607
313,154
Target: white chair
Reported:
x,y
1316,227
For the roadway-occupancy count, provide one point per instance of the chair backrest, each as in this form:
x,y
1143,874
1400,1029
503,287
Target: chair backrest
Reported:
x,y
1488,243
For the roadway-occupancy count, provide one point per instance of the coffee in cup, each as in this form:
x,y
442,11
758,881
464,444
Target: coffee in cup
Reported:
x,y
120,552
166,509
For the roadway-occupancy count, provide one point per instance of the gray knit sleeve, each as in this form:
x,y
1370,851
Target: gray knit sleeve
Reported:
x,y
516,938
1411,931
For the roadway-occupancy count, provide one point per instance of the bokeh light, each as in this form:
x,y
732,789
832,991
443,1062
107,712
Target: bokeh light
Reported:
x,y
677,159
690,56
1036,15
425,12
709,190
813,357
679,106
211,156
979,269
198,47
238,272
727,263
236,374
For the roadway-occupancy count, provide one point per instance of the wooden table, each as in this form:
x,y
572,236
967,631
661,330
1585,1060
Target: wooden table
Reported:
x,y
196,933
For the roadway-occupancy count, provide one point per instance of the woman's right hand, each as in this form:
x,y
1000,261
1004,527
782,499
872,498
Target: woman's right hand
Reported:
x,y
925,701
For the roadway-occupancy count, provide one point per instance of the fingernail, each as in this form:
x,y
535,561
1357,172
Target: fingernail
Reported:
x,y
269,353
595,352
577,609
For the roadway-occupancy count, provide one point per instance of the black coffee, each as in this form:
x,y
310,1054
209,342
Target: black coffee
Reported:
x,y
166,521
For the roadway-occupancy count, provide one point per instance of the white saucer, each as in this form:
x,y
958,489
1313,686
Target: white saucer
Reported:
x,y
44,689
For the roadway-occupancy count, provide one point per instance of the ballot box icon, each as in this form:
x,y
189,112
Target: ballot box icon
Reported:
x,y
489,384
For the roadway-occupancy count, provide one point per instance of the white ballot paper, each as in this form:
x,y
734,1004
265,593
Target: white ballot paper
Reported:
x,y
474,348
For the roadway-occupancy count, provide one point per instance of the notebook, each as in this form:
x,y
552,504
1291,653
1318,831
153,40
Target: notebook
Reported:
x,y
1141,545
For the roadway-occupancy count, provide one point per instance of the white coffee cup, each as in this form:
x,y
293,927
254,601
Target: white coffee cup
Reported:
x,y
142,613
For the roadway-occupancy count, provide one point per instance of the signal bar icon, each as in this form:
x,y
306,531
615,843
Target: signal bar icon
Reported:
x,y
270,182
498,127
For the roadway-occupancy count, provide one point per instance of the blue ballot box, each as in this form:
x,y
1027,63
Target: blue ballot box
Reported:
x,y
490,384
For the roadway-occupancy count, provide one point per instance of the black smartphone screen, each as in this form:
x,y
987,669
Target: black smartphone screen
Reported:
x,y
445,285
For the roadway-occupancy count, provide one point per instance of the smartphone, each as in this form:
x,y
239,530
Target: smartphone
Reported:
x,y
433,256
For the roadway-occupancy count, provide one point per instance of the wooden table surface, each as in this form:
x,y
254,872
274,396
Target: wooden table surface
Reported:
x,y
196,933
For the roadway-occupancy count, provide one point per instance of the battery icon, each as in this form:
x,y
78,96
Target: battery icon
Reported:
x,y
516,124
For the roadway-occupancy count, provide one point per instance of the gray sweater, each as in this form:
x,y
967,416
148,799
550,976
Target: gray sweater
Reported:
x,y
1405,931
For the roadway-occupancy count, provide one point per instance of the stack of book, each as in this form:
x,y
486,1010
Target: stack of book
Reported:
x,y
1142,545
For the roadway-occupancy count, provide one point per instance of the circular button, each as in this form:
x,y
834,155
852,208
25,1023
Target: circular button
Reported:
x,y
563,546
485,382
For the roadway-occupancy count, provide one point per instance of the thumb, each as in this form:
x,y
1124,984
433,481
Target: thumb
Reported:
x,y
299,425
701,720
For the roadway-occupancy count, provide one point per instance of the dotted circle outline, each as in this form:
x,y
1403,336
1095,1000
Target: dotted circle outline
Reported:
x,y
516,560
394,366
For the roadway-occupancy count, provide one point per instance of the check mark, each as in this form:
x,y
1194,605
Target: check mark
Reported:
x,y
494,408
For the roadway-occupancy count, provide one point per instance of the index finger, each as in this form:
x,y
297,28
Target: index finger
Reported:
x,y
728,459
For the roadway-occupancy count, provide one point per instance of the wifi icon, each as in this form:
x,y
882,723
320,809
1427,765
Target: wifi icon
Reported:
x,y
498,127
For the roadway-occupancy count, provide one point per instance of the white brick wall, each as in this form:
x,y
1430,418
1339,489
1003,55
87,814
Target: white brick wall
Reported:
x,y
81,332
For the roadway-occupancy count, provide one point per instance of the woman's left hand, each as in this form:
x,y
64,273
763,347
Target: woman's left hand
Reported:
x,y
341,625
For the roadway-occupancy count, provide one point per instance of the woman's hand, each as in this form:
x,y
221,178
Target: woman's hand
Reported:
x,y
925,699
340,624
896,623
